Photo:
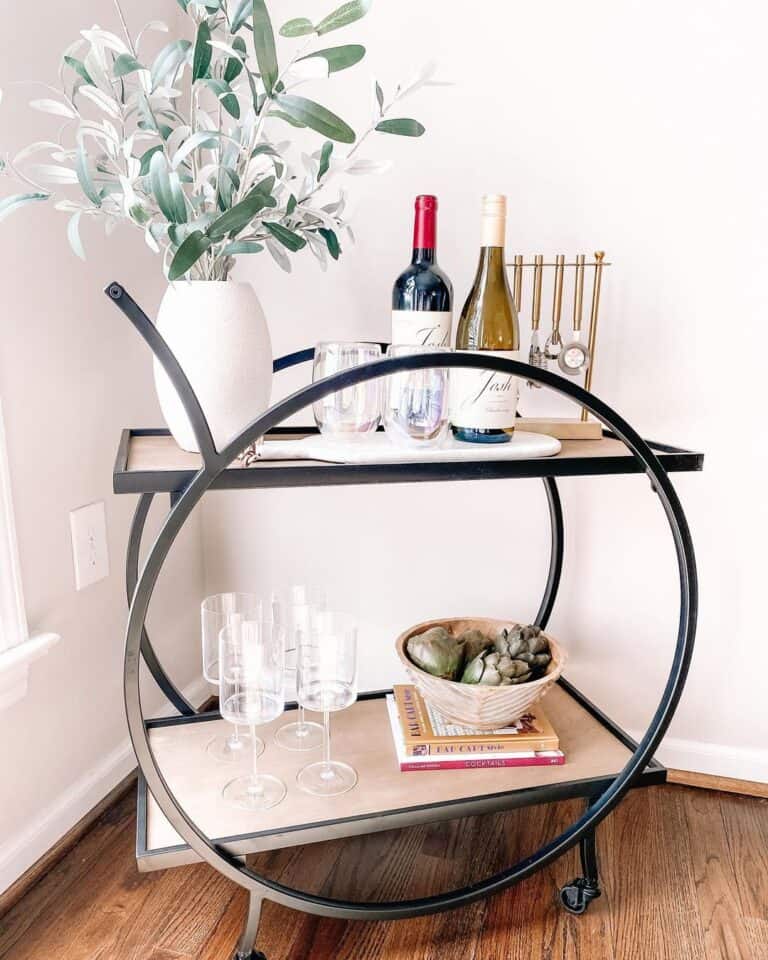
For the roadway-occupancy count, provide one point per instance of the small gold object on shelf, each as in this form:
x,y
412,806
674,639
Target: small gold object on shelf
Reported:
x,y
573,357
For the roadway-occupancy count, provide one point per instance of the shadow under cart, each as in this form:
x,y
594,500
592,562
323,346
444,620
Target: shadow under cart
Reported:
x,y
179,818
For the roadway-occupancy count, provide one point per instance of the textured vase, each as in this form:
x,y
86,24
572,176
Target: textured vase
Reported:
x,y
219,335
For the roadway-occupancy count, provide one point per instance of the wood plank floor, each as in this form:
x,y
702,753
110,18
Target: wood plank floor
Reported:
x,y
685,877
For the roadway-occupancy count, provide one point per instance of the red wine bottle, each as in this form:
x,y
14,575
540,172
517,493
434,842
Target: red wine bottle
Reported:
x,y
422,297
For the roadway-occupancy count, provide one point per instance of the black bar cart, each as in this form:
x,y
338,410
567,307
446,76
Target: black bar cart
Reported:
x,y
177,820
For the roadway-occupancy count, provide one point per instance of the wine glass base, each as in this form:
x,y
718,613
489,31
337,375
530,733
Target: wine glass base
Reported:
x,y
254,793
326,779
225,749
300,736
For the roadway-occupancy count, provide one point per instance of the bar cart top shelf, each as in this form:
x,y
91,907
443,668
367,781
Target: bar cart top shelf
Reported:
x,y
150,461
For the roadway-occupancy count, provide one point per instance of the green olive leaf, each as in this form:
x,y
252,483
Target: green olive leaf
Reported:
x,y
345,14
316,117
298,27
79,67
339,58
332,242
234,220
188,254
264,45
10,204
401,127
201,60
292,241
325,159
126,64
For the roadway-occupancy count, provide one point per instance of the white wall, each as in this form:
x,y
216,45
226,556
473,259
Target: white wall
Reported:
x,y
633,127
72,374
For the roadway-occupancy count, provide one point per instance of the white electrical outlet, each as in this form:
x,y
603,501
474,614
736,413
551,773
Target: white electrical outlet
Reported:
x,y
89,544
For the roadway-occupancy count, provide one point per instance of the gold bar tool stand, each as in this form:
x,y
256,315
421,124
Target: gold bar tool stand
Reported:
x,y
542,354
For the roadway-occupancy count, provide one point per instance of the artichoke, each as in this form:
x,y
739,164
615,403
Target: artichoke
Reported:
x,y
515,655
496,670
525,644
474,642
436,652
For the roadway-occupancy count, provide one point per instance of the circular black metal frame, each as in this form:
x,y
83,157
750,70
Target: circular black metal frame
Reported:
x,y
215,462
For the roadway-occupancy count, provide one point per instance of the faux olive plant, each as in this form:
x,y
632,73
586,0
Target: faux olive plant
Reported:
x,y
184,144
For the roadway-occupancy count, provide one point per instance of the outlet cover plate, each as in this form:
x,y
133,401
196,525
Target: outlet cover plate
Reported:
x,y
88,526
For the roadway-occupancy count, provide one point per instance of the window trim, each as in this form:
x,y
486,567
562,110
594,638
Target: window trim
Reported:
x,y
13,618
17,648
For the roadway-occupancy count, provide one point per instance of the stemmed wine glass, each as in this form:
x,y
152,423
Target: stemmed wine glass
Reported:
x,y
252,665
217,612
301,734
327,681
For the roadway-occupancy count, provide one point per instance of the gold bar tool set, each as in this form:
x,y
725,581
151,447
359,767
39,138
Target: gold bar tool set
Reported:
x,y
572,356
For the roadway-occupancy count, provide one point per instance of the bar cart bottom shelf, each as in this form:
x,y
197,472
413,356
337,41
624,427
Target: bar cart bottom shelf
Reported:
x,y
384,799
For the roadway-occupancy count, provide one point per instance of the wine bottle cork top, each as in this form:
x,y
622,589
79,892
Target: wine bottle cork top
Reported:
x,y
494,218
494,205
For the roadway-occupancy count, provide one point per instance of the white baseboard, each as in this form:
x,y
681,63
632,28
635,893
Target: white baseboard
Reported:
x,y
715,759
27,847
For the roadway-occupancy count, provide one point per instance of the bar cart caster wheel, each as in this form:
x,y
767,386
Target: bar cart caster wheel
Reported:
x,y
577,895
253,955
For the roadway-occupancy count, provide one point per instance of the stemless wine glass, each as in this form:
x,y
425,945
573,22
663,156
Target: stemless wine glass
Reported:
x,y
416,401
252,664
327,681
217,612
356,411
301,734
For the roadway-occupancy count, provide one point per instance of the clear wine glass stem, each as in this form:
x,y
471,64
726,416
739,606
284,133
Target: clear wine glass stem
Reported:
x,y
326,737
234,738
302,721
256,788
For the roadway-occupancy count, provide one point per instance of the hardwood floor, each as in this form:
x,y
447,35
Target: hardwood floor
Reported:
x,y
684,876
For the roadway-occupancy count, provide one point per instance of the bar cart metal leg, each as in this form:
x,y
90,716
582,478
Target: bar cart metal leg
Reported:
x,y
577,895
245,947
174,696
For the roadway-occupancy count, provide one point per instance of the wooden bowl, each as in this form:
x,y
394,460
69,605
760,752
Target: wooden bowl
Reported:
x,y
475,704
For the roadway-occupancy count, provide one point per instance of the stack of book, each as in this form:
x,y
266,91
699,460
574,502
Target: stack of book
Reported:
x,y
424,740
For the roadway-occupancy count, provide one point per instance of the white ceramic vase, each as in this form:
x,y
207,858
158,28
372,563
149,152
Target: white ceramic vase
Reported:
x,y
219,335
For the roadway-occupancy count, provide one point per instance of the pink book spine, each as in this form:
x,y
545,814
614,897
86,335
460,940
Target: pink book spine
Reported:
x,y
409,766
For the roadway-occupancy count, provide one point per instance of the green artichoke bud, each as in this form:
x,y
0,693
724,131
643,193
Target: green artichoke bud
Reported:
x,y
510,642
528,645
436,652
474,642
495,669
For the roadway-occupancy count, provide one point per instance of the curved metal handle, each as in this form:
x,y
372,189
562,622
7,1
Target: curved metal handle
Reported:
x,y
157,344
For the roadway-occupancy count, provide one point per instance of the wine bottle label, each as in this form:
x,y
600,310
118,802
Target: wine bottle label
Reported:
x,y
484,399
424,327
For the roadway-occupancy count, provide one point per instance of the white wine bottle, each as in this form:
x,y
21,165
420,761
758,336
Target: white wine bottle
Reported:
x,y
483,402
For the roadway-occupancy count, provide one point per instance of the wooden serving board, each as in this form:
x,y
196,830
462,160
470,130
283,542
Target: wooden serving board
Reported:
x,y
563,428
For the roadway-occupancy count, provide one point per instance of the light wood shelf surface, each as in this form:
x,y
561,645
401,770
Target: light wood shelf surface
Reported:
x,y
383,798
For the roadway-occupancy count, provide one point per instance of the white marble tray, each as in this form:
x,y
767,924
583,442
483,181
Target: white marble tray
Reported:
x,y
378,448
